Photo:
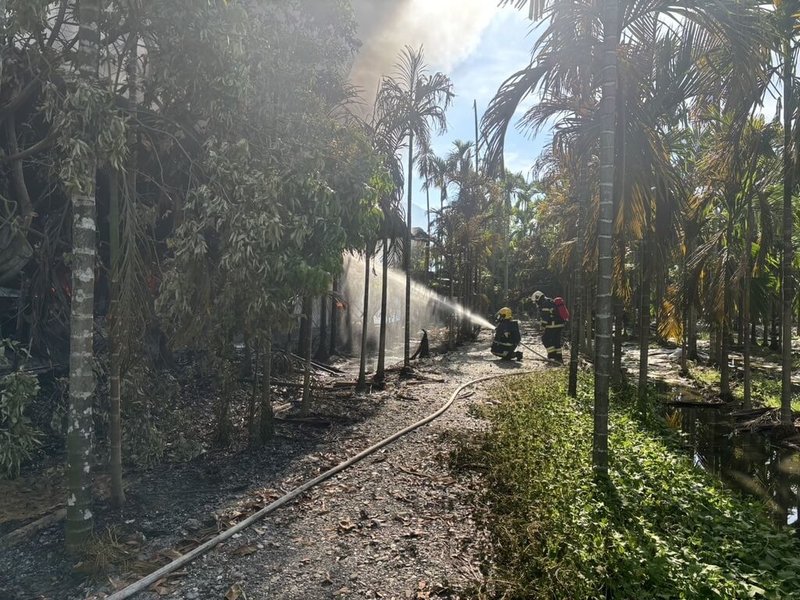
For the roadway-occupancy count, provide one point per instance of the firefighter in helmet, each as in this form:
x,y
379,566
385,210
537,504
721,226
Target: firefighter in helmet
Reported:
x,y
506,336
552,323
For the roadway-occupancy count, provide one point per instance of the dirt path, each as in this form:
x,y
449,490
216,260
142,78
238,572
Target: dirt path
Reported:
x,y
400,524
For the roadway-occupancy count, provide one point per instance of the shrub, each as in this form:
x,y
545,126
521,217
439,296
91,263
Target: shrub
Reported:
x,y
659,528
18,438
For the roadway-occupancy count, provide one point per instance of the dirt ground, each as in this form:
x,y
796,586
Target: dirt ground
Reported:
x,y
402,523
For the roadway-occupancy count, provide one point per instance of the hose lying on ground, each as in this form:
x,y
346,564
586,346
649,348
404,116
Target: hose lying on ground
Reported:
x,y
153,577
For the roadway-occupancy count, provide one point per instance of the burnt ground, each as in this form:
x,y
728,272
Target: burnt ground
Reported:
x,y
402,523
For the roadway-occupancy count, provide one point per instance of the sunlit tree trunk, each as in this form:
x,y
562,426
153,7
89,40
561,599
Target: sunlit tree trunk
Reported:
x,y
407,255
787,275
334,318
577,274
605,230
308,314
380,370
619,316
362,367
724,353
428,233
79,522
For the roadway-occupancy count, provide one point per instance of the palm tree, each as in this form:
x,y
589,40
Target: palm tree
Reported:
x,y
79,522
728,30
427,164
786,12
417,101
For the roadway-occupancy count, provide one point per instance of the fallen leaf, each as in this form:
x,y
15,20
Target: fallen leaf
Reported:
x,y
245,550
235,592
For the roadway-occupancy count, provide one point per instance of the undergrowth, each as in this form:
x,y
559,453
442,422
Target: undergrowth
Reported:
x,y
657,528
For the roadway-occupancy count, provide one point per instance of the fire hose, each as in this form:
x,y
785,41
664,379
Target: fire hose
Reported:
x,y
153,577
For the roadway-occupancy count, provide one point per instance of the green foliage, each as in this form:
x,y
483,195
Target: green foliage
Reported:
x,y
658,529
87,128
155,425
18,438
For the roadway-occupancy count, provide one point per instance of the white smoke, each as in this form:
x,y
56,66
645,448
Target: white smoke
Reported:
x,y
449,30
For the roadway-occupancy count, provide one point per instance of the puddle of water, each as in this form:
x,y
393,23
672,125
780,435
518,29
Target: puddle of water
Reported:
x,y
747,462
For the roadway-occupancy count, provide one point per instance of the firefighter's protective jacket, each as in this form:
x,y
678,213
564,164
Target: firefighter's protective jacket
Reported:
x,y
548,314
506,337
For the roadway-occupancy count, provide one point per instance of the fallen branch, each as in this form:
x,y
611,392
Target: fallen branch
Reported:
x,y
25,531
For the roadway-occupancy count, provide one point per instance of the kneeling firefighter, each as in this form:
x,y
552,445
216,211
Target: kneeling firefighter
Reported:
x,y
506,336
553,314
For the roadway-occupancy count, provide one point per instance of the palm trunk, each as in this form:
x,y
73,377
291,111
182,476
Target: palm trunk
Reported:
x,y
684,314
619,319
380,371
787,297
362,367
407,256
267,424
79,522
605,231
252,428
117,490
586,323
115,330
644,328
724,354
334,319
428,233
577,273
308,313
748,273
507,253
322,347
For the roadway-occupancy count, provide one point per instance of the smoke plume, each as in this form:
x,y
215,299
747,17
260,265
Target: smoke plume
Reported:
x,y
447,29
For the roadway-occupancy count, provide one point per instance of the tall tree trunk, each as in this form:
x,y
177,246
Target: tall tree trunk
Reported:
x,y
691,326
587,334
267,424
407,255
605,231
116,329
362,367
774,344
787,275
428,233
252,428
724,354
619,318
507,253
334,317
748,275
79,522
308,314
644,326
114,341
578,280
322,346
380,370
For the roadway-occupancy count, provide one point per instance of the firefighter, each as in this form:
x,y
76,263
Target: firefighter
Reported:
x,y
506,336
552,321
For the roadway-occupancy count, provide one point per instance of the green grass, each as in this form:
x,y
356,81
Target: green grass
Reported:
x,y
658,529
766,389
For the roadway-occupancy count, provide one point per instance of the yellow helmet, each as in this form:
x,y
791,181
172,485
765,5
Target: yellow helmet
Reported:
x,y
504,313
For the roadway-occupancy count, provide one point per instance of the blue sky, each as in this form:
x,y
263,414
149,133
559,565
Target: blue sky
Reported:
x,y
503,47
